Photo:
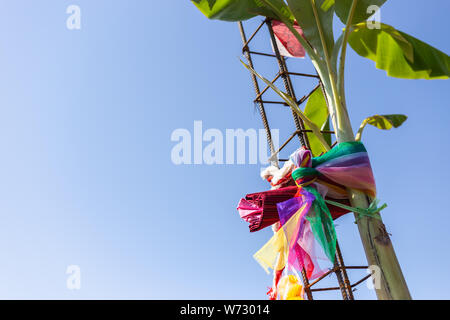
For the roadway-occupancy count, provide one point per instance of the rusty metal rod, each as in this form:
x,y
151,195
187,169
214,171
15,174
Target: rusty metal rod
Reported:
x,y
245,46
306,285
355,267
263,54
287,84
304,98
262,111
343,273
361,281
325,289
340,280
303,74
322,277
267,87
293,135
272,102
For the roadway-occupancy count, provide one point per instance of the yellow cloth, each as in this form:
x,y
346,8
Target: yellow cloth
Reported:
x,y
289,288
277,246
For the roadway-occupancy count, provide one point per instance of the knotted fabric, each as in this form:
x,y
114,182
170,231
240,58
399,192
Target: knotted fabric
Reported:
x,y
347,165
307,231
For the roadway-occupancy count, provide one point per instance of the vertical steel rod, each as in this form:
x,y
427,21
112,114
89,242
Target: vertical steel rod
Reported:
x,y
347,284
287,84
340,279
300,126
261,108
306,285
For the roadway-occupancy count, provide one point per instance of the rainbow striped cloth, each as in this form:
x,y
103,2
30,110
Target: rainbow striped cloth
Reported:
x,y
347,165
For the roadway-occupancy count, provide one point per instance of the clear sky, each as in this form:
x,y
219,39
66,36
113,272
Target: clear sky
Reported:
x,y
86,174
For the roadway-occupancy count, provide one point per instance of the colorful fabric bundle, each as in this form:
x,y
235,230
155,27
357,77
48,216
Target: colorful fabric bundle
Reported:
x,y
260,209
307,232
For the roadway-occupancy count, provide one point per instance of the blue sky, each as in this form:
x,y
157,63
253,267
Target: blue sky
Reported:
x,y
87,178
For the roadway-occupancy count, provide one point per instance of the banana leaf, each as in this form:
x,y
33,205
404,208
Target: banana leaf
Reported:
x,y
399,54
316,110
233,10
383,122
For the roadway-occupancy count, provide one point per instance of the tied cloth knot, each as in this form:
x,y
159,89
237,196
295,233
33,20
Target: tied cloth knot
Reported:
x,y
347,165
373,211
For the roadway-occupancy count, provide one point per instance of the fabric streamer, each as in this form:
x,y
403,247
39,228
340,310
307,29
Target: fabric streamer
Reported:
x,y
371,212
322,225
287,43
296,240
279,244
290,288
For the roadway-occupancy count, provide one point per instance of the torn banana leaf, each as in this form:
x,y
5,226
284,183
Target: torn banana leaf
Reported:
x,y
383,122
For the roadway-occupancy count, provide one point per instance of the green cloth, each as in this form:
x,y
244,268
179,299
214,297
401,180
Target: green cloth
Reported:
x,y
304,172
322,224
341,149
372,211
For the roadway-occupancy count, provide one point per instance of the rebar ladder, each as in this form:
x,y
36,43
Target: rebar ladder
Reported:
x,y
339,268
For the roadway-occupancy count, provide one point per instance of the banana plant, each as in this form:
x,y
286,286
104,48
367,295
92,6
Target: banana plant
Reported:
x,y
399,54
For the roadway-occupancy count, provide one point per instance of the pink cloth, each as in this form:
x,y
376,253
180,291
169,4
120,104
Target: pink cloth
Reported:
x,y
287,43
304,251
249,211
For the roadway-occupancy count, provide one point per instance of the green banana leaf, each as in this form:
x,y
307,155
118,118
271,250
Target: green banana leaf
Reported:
x,y
327,4
326,127
303,12
383,122
342,8
316,110
399,54
233,10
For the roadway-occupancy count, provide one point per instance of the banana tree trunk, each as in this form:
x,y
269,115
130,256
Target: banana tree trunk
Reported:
x,y
390,283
